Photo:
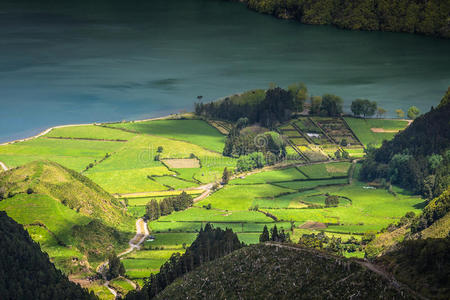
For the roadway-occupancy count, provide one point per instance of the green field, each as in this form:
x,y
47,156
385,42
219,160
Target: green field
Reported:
x,y
326,170
193,131
362,129
241,197
141,264
270,176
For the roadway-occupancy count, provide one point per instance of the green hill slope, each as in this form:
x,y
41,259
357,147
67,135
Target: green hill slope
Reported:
x,y
26,272
75,221
274,271
68,187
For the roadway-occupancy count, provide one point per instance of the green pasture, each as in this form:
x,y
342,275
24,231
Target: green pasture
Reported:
x,y
73,154
121,285
173,182
35,209
140,264
197,132
171,240
270,176
362,129
242,227
371,209
241,197
326,170
90,132
308,184
212,215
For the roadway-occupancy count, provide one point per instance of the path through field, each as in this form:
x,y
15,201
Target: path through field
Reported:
x,y
141,234
4,167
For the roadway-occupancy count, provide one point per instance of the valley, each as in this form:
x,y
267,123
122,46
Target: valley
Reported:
x,y
136,162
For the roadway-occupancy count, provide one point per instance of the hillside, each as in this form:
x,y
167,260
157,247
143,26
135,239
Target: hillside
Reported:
x,y
26,272
422,17
69,187
75,221
418,158
273,271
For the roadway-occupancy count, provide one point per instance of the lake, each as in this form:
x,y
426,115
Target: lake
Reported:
x,y
64,62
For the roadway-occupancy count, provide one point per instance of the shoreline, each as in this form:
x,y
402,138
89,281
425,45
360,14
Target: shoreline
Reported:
x,y
141,120
73,125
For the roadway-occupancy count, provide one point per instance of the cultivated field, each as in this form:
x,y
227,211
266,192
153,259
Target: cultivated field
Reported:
x,y
363,129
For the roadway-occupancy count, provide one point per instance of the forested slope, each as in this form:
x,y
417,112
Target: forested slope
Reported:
x,y
283,272
26,272
414,16
418,158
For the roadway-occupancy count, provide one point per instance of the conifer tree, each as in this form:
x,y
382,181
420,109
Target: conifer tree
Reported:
x,y
225,176
264,237
274,234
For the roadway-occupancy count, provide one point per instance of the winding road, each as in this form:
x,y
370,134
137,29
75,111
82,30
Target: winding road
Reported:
x,y
141,234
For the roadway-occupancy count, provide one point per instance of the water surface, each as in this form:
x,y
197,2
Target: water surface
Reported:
x,y
65,62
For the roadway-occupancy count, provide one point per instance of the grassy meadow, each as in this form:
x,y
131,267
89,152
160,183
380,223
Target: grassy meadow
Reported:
x,y
362,129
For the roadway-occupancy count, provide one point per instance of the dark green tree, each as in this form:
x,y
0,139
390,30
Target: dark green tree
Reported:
x,y
264,237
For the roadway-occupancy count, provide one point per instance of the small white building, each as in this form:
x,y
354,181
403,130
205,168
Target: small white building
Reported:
x,y
313,135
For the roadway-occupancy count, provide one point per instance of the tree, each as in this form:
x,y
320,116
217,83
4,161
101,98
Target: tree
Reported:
x,y
331,201
381,112
413,112
300,94
160,149
331,105
337,154
264,237
116,267
400,113
274,234
363,107
316,102
225,176
345,155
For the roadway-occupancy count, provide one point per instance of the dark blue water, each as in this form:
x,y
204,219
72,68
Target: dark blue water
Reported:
x,y
87,61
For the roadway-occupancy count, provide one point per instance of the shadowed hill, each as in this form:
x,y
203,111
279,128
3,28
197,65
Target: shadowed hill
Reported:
x,y
275,271
26,272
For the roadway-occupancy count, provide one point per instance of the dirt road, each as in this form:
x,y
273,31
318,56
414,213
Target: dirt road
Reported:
x,y
141,234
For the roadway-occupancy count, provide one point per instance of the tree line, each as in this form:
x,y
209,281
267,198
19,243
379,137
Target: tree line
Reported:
x,y
211,243
413,16
154,209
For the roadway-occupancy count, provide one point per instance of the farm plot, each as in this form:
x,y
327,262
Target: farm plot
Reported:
x,y
182,163
310,184
223,127
288,174
337,129
129,169
197,132
370,209
240,197
173,182
335,169
197,214
140,264
363,129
